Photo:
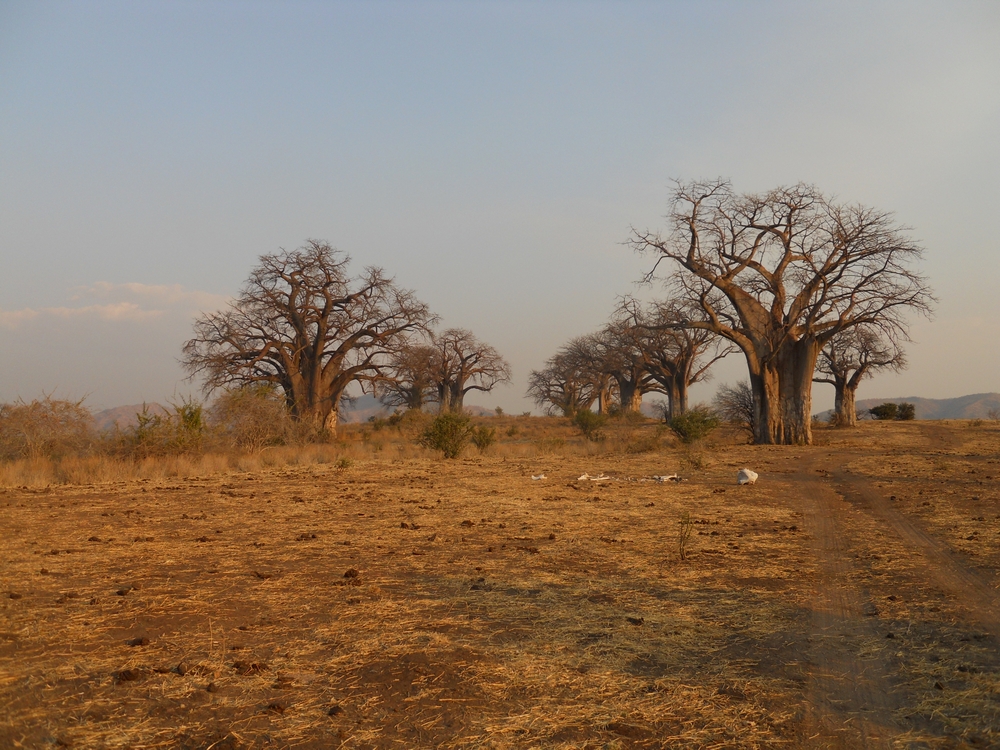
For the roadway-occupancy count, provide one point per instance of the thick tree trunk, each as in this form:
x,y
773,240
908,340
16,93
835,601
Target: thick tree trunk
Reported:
x,y
604,401
678,397
630,396
782,391
847,414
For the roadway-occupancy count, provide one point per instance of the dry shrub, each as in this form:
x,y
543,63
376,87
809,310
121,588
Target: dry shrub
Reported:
x,y
44,427
252,418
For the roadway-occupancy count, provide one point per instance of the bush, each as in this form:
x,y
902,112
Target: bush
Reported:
x,y
694,424
590,424
155,434
44,427
734,404
886,411
448,433
252,418
906,412
483,437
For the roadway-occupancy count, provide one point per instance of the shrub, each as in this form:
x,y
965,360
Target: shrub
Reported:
x,y
448,433
884,411
694,424
906,412
154,434
734,404
44,427
590,424
252,418
483,437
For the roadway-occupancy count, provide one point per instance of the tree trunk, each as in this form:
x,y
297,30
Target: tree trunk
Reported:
x,y
630,396
782,394
677,398
847,414
457,402
604,400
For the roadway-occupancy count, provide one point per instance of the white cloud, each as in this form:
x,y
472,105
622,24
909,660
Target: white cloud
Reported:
x,y
130,302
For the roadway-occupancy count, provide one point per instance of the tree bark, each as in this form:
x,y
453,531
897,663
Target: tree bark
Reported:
x,y
783,394
847,414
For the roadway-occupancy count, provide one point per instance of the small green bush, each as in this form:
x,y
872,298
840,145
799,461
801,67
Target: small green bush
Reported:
x,y
483,437
906,412
590,424
448,433
694,424
886,411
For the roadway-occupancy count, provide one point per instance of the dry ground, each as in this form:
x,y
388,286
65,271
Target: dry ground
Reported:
x,y
849,599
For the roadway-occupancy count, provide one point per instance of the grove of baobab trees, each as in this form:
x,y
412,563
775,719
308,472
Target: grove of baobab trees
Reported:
x,y
780,274
302,324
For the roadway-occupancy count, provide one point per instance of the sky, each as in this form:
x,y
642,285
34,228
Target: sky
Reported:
x,y
490,156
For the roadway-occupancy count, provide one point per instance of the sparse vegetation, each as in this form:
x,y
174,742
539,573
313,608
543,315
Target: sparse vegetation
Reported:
x,y
448,433
695,424
590,424
884,412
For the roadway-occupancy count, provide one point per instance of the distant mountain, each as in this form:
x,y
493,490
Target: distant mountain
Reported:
x,y
976,406
124,416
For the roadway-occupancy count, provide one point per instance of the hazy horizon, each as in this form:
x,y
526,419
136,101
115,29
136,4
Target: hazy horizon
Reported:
x,y
490,156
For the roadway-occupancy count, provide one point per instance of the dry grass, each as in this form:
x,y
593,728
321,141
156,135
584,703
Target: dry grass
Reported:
x,y
489,609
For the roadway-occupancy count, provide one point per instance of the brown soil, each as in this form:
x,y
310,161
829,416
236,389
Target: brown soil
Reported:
x,y
848,599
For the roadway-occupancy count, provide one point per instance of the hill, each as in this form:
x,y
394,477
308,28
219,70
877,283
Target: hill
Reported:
x,y
124,416
974,406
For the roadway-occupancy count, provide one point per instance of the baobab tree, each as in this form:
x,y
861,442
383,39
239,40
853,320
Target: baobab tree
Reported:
x,y
408,381
460,364
617,352
302,324
563,385
780,274
673,356
848,358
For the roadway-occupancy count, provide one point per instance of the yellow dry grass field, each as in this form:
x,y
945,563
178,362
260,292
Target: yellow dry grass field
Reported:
x,y
847,599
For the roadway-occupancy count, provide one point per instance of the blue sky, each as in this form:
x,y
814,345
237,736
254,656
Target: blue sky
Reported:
x,y
492,156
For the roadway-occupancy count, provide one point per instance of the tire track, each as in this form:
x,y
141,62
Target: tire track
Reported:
x,y
849,696
938,562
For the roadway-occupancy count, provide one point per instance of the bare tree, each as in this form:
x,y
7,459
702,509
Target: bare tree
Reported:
x,y
302,324
734,404
618,353
848,358
461,363
561,386
674,356
409,382
780,274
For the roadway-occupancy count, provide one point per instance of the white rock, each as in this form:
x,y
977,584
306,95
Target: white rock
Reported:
x,y
540,476
746,476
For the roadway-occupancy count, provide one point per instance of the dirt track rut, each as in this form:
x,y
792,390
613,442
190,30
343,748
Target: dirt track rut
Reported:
x,y
849,694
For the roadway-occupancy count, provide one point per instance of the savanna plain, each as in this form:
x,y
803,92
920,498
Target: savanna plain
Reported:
x,y
374,595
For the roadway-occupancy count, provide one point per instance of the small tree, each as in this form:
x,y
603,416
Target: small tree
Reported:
x,y
483,437
694,424
906,412
448,433
44,427
734,404
252,417
850,357
884,412
590,424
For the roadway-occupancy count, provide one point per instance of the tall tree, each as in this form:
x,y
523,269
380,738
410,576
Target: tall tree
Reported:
x,y
850,357
462,363
409,378
618,353
674,356
780,274
302,324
